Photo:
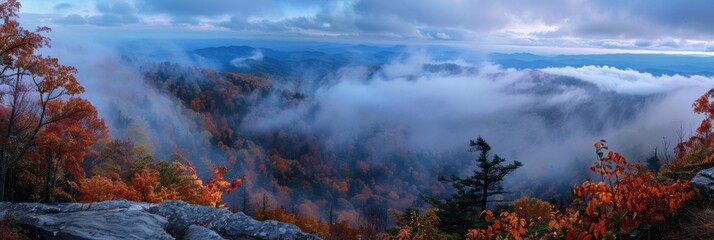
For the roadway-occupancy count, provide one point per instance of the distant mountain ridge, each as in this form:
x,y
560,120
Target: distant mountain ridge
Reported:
x,y
244,59
317,61
656,64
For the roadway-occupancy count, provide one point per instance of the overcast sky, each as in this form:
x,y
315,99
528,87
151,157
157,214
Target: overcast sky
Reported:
x,y
660,25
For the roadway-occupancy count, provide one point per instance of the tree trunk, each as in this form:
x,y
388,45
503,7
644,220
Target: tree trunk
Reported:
x,y
11,183
486,185
3,172
48,179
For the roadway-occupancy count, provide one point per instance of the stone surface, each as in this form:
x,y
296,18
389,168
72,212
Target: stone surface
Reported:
x,y
242,225
123,219
704,181
182,215
113,224
196,232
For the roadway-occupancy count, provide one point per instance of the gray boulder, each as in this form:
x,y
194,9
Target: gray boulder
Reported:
x,y
704,181
114,224
242,225
196,232
123,219
182,215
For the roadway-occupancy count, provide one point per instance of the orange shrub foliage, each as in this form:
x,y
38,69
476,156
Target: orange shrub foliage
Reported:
x,y
626,200
212,192
506,224
532,209
180,181
99,188
305,223
412,225
146,183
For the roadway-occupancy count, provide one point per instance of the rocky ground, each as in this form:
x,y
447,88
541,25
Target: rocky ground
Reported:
x,y
123,219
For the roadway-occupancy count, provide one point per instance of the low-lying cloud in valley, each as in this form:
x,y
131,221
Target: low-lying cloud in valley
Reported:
x,y
547,118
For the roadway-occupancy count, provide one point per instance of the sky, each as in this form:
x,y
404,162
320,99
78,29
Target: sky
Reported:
x,y
616,26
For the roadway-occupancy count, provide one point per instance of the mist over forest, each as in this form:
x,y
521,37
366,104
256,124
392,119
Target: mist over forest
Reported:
x,y
368,114
365,119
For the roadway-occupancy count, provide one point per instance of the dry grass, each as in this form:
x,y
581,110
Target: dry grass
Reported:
x,y
695,222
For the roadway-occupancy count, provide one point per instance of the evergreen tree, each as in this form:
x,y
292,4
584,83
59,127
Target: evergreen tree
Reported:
x,y
653,162
461,211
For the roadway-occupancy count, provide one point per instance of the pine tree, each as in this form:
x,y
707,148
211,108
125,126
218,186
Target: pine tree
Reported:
x,y
473,193
653,162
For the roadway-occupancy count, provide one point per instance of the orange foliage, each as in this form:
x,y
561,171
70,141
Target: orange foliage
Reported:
x,y
507,224
412,225
43,126
697,152
177,181
532,209
61,148
145,183
627,200
98,188
305,223
212,192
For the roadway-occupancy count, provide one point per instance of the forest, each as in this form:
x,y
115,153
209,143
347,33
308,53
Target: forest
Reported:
x,y
55,147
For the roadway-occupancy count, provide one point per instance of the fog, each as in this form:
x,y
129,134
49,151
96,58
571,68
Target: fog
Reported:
x,y
546,118
131,108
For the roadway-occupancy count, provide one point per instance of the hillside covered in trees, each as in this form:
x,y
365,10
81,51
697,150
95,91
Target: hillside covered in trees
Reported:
x,y
362,142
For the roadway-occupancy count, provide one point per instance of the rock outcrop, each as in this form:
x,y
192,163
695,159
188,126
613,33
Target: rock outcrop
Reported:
x,y
123,219
196,232
182,215
704,181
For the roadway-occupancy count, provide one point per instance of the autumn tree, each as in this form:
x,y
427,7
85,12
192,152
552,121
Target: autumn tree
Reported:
x,y
99,188
62,145
414,225
109,157
31,84
697,152
473,193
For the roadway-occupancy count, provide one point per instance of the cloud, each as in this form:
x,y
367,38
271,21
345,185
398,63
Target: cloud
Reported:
x,y
113,14
110,13
546,118
623,24
629,81
71,19
206,8
241,62
62,6
118,91
332,19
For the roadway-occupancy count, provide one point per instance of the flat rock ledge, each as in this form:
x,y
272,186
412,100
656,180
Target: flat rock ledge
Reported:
x,y
121,219
704,181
